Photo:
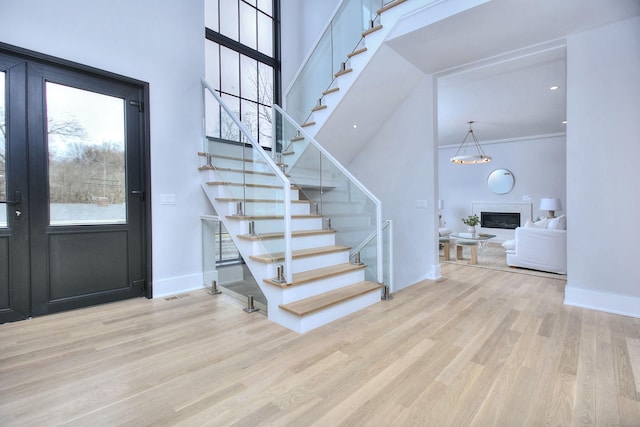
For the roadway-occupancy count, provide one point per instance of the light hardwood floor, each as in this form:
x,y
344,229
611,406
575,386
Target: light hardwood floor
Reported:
x,y
477,348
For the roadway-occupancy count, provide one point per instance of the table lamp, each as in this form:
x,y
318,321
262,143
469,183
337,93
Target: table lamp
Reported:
x,y
550,204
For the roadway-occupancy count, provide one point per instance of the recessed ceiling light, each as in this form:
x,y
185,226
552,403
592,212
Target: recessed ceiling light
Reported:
x,y
554,88
355,125
564,122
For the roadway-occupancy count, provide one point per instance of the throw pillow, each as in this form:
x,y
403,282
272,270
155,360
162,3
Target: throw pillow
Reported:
x,y
559,223
538,224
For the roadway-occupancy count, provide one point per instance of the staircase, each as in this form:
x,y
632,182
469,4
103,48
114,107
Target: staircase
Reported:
x,y
324,285
309,232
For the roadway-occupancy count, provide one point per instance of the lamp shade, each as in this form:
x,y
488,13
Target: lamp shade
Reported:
x,y
550,204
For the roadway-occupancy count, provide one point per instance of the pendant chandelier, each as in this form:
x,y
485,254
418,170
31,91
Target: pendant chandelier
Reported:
x,y
462,158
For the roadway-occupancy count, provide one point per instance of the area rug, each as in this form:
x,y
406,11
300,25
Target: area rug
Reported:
x,y
493,257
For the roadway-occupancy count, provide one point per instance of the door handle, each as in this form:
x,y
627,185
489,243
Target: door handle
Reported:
x,y
18,199
138,193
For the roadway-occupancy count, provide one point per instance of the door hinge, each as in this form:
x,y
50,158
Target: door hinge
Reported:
x,y
138,284
138,104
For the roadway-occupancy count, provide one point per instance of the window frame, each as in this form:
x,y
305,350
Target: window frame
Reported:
x,y
273,62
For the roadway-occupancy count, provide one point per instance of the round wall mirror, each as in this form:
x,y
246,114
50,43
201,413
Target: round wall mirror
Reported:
x,y
500,181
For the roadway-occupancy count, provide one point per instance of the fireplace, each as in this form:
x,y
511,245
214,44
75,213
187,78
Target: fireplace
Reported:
x,y
505,220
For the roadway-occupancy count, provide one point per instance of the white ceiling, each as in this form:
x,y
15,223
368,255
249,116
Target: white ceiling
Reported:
x,y
509,99
484,73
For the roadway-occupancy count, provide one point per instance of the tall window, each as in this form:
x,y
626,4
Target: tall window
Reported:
x,y
242,59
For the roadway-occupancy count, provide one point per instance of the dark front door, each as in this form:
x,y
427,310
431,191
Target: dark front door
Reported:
x,y
73,222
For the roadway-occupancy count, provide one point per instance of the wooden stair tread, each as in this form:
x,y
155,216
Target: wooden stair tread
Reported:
x,y
390,6
297,138
216,168
266,217
231,199
240,184
226,157
327,299
317,274
372,30
343,72
294,234
357,52
332,90
307,124
318,108
300,253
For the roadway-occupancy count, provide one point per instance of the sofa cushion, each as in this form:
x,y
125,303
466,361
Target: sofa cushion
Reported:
x,y
509,245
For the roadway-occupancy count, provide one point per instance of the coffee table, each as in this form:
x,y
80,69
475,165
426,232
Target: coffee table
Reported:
x,y
473,240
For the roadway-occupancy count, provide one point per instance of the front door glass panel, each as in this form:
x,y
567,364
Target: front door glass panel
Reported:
x,y
86,146
3,151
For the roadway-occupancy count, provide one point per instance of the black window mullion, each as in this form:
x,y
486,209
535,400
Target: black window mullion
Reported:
x,y
277,83
239,47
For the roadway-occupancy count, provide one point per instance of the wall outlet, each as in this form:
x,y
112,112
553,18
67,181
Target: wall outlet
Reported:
x,y
421,204
526,198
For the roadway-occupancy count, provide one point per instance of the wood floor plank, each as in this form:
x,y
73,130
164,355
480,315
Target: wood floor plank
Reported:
x,y
476,347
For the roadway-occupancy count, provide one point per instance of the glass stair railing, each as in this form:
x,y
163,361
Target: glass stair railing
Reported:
x,y
222,268
246,183
295,197
345,204
343,36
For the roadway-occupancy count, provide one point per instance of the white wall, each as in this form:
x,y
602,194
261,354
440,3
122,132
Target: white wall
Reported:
x,y
399,167
160,42
537,163
301,24
603,148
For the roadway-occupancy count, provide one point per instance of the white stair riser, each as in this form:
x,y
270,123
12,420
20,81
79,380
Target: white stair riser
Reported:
x,y
319,261
237,192
239,177
241,165
322,317
263,208
277,225
309,263
277,245
295,293
314,241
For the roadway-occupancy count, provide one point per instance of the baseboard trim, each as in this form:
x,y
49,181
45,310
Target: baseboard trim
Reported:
x,y
602,301
177,285
435,273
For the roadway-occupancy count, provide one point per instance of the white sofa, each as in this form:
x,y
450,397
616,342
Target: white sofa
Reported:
x,y
538,249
